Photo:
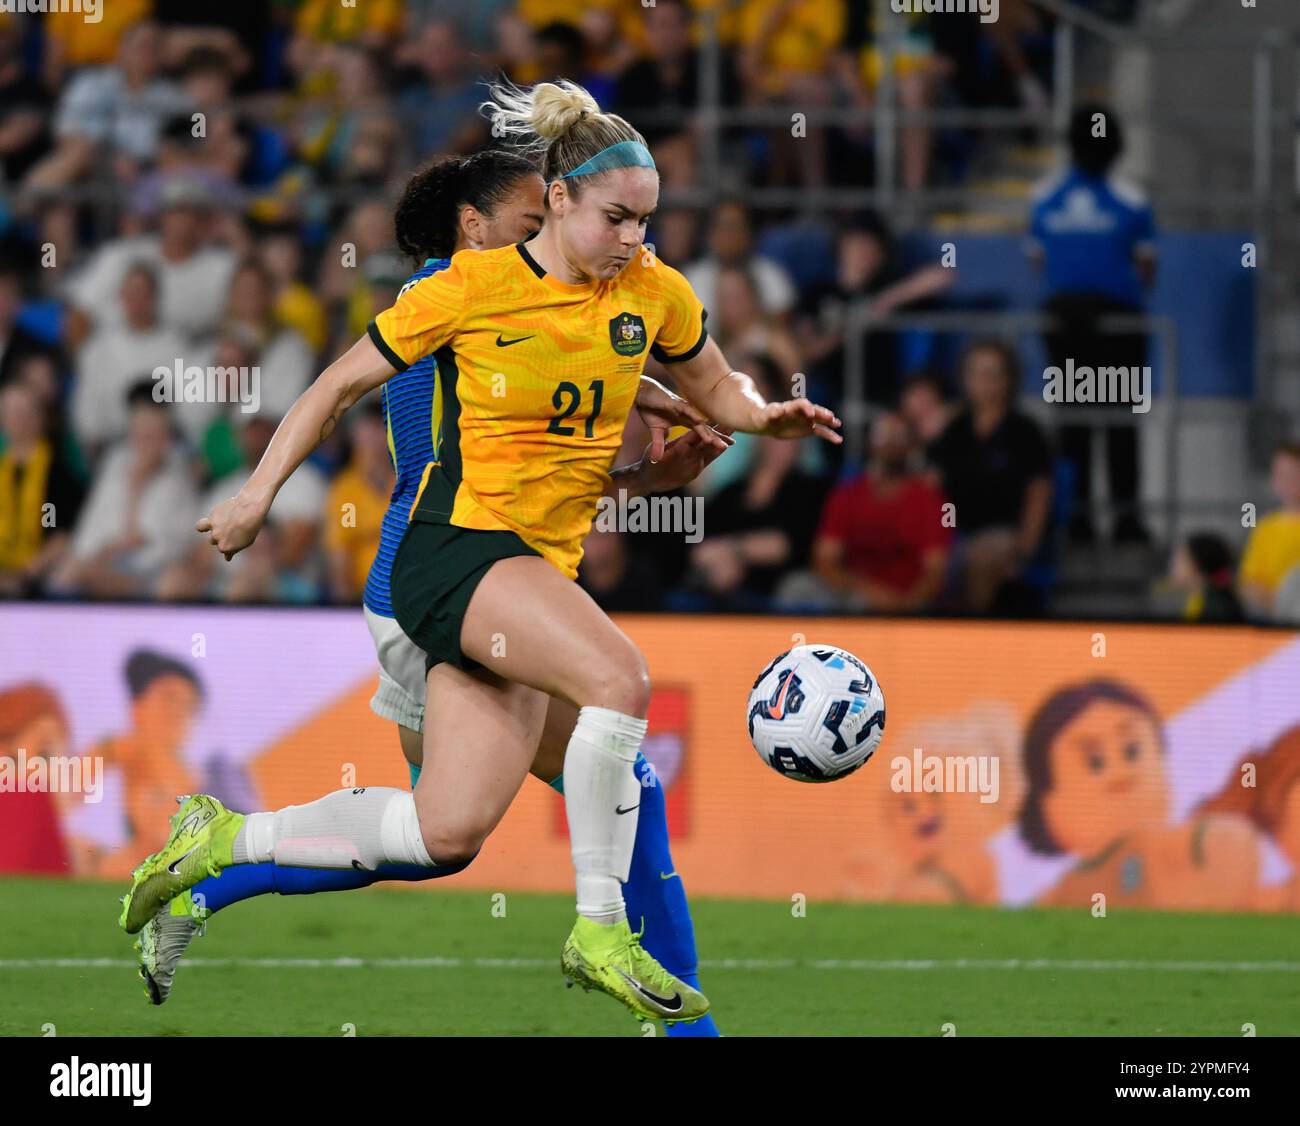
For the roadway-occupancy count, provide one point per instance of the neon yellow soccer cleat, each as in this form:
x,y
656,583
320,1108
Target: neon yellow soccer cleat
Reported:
x,y
162,942
202,836
610,958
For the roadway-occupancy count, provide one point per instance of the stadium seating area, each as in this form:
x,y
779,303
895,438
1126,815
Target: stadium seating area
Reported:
x,y
172,198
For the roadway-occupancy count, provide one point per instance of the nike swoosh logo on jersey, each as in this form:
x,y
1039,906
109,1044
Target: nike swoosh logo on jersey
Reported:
x,y
671,1004
667,875
502,342
620,809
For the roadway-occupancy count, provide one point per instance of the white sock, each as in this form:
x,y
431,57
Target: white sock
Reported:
x,y
360,828
599,781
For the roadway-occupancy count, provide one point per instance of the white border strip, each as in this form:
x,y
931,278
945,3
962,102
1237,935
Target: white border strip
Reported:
x,y
836,964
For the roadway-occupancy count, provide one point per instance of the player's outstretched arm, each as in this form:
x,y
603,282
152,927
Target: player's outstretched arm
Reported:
x,y
233,524
661,410
679,462
732,401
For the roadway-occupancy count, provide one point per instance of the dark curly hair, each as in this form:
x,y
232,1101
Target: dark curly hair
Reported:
x,y
428,213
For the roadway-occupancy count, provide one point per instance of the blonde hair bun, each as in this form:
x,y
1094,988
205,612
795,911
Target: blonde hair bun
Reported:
x,y
557,122
545,112
558,107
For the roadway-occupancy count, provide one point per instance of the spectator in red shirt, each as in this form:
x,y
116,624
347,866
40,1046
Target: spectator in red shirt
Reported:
x,y
883,543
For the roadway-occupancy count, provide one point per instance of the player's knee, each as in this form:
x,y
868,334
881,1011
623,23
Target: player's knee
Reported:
x,y
454,845
456,839
623,684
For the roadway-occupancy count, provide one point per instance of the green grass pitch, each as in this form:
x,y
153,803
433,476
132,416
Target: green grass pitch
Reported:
x,y
314,965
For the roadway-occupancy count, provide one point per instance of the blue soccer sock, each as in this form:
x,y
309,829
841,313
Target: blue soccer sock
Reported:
x,y
653,891
245,881
658,901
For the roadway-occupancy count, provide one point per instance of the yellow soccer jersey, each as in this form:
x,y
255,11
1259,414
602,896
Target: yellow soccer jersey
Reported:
x,y
535,381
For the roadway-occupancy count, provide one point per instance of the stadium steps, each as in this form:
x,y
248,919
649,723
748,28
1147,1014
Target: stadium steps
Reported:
x,y
1108,580
1004,191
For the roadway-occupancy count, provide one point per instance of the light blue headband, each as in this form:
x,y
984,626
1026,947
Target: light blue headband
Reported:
x,y
625,154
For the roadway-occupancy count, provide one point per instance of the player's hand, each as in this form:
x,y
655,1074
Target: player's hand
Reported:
x,y
683,459
661,410
797,418
233,525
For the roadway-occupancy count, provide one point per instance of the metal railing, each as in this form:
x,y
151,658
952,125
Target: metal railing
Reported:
x,y
710,120
887,118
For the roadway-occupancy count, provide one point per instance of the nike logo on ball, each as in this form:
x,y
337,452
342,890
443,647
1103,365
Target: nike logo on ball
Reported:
x,y
778,709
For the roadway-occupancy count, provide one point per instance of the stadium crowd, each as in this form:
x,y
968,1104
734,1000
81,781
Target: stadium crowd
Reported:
x,y
173,199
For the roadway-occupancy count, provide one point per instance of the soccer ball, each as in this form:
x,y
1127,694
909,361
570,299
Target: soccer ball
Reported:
x,y
816,713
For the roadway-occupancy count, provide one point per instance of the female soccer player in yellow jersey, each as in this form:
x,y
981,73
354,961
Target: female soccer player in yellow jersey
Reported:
x,y
540,348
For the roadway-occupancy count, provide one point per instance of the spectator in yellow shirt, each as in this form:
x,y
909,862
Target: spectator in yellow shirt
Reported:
x,y
786,42
726,16
373,22
1273,549
358,499
592,16
321,25
788,48
296,305
72,42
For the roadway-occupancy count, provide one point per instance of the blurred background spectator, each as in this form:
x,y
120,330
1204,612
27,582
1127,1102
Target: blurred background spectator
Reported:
x,y
663,83
132,525
193,273
24,110
193,184
1202,567
288,568
40,495
1093,237
619,579
995,467
925,406
438,103
731,243
120,107
758,528
867,275
284,358
883,543
357,501
741,328
1273,550
118,356
16,343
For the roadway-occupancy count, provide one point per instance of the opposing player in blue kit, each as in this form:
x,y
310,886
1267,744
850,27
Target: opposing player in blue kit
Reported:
x,y
492,199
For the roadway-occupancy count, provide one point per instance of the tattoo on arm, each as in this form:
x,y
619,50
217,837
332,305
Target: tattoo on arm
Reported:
x,y
327,427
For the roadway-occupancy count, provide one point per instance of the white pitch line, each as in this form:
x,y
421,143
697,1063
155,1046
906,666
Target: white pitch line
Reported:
x,y
838,964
